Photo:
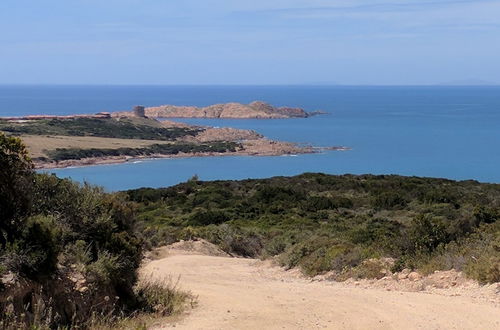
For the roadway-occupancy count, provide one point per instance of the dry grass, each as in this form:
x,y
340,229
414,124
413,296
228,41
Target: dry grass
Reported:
x,y
38,143
161,302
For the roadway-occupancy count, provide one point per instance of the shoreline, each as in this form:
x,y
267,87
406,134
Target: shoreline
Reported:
x,y
250,142
96,161
114,160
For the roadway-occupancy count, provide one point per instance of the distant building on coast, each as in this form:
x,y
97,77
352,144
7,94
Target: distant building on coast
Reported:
x,y
139,111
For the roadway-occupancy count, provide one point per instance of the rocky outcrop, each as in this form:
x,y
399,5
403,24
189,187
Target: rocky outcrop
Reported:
x,y
224,134
255,109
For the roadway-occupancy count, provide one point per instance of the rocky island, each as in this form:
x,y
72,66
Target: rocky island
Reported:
x,y
254,110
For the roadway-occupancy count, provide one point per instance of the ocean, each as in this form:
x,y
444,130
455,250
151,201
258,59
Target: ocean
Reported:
x,y
435,131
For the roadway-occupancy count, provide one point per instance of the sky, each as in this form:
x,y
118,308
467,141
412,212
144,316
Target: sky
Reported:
x,y
355,42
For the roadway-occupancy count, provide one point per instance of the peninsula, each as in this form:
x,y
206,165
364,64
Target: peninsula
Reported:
x,y
104,138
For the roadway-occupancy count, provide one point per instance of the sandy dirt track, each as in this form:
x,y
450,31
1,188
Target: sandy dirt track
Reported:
x,y
236,293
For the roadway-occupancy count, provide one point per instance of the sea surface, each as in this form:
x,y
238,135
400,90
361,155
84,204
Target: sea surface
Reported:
x,y
451,132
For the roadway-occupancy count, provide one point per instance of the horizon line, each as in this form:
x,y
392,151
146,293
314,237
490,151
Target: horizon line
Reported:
x,y
247,85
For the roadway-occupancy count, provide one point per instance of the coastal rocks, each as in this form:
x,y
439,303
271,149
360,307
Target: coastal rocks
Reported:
x,y
403,274
226,134
172,124
450,282
257,109
414,276
265,147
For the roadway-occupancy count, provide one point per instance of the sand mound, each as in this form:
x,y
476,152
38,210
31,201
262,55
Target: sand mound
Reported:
x,y
199,247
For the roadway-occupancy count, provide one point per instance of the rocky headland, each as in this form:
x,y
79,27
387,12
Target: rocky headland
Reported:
x,y
251,144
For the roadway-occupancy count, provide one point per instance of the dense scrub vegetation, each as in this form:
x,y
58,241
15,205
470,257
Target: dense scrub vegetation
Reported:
x,y
67,252
109,128
326,223
163,149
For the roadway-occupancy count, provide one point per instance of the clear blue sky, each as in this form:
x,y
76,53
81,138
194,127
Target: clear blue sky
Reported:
x,y
248,41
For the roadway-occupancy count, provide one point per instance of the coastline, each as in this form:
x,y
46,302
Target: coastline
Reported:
x,y
250,143
95,161
111,160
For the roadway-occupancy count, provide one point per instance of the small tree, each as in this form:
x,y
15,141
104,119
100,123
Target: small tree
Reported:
x,y
16,178
426,234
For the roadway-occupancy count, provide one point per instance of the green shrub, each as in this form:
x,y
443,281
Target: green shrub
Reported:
x,y
77,253
485,214
40,240
317,203
204,218
105,269
389,200
275,246
233,240
426,234
320,254
268,194
16,176
485,268
439,195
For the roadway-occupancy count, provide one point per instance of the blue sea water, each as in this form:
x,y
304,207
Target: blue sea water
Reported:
x,y
451,132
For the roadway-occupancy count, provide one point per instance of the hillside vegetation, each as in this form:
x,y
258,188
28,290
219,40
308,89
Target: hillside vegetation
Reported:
x,y
112,134
340,224
124,128
68,253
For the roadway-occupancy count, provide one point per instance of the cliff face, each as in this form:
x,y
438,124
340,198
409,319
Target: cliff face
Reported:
x,y
228,110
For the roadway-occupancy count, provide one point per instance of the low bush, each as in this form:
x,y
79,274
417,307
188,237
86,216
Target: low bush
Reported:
x,y
110,128
478,255
389,200
204,218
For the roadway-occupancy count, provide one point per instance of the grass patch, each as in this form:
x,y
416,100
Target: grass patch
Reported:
x,y
163,297
110,128
158,300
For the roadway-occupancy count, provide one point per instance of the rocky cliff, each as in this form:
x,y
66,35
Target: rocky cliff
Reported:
x,y
255,109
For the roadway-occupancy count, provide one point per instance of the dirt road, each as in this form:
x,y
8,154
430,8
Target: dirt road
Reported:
x,y
238,293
